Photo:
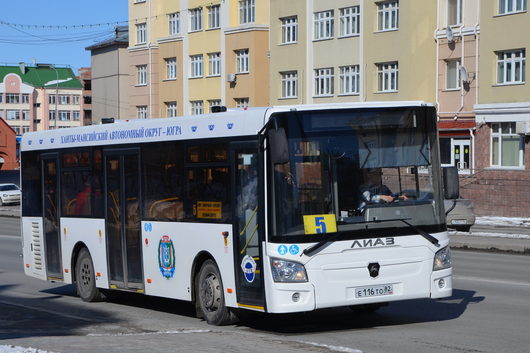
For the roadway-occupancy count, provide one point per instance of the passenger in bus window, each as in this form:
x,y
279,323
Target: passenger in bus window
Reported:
x,y
374,191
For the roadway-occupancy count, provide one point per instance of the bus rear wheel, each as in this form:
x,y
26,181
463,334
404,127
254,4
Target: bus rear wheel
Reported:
x,y
210,296
86,278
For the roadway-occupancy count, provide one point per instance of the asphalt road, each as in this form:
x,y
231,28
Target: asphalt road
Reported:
x,y
489,312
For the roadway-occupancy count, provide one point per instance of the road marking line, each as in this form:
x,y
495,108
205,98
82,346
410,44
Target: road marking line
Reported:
x,y
332,348
496,281
74,317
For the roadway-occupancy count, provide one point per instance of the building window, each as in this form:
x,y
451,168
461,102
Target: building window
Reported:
x,y
141,33
141,111
25,129
174,23
51,99
213,103
64,115
17,130
289,84
171,109
242,103
13,115
242,60
25,99
246,11
64,99
349,79
171,68
324,82
289,30
350,21
452,72
51,115
196,107
141,75
454,12
76,115
511,6
214,64
1,96
388,15
196,66
75,100
511,66
12,98
214,12
195,19
25,115
324,25
506,145
387,77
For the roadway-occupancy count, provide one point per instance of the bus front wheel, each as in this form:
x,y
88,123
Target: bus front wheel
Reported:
x,y
210,296
86,279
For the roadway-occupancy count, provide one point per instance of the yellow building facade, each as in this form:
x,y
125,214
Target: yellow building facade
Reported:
x,y
187,56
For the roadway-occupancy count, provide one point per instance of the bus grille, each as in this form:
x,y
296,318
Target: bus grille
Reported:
x,y
37,245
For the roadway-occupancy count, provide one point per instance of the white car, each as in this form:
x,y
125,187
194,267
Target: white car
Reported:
x,y
9,194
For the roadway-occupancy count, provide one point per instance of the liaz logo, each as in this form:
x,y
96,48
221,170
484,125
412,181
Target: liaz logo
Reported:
x,y
52,139
369,243
166,257
194,128
230,126
211,127
248,266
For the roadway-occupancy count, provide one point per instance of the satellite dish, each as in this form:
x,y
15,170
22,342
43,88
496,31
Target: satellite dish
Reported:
x,y
463,74
450,35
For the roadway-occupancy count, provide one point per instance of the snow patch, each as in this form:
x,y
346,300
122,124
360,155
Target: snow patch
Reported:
x,y
17,349
148,333
503,221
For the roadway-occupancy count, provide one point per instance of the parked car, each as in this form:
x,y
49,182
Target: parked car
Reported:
x,y
460,214
9,194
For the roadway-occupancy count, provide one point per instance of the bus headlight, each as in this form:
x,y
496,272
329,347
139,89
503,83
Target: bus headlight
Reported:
x,y
442,259
288,271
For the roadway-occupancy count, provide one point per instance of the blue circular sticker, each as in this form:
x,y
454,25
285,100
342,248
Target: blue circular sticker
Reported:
x,y
282,249
294,249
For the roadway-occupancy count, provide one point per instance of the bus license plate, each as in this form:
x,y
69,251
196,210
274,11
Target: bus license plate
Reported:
x,y
458,221
374,291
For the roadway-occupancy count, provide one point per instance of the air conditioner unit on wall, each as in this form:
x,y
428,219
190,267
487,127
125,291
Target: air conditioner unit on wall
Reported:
x,y
231,77
522,127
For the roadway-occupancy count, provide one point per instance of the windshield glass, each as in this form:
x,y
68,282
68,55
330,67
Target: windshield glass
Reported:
x,y
354,171
9,187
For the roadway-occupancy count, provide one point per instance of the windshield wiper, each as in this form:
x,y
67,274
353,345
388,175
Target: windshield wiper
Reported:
x,y
312,249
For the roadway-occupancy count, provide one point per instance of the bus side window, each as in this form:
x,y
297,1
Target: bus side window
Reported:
x,y
162,171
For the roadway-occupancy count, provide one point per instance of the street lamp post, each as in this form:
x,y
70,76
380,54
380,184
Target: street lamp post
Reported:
x,y
51,66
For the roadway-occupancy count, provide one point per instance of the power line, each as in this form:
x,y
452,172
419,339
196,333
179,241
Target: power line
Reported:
x,y
64,27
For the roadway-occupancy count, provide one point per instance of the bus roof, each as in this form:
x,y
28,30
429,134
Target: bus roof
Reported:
x,y
238,122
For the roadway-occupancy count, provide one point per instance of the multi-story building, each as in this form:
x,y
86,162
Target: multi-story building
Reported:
x,y
31,97
457,43
110,77
501,183
186,56
333,51
85,76
8,155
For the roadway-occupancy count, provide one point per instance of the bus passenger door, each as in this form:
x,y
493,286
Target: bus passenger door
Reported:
x,y
51,215
122,216
247,235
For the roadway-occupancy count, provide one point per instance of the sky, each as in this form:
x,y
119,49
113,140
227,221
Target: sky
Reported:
x,y
56,31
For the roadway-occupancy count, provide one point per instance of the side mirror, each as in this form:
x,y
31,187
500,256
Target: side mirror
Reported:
x,y
278,146
451,183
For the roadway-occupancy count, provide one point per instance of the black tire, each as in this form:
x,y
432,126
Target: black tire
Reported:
x,y
1,202
210,299
86,278
464,228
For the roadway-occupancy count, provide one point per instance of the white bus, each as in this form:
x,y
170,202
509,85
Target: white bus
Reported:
x,y
266,209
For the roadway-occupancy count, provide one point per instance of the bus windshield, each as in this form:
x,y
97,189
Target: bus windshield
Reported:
x,y
368,168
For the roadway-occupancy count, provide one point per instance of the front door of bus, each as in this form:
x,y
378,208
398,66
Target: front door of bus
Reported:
x,y
51,215
247,234
122,214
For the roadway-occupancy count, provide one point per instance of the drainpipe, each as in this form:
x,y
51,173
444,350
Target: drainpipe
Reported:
x,y
150,63
437,80
472,134
462,36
